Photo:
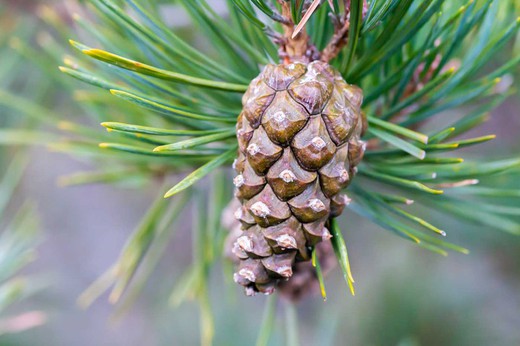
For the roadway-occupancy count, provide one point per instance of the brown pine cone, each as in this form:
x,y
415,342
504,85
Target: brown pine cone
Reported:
x,y
299,144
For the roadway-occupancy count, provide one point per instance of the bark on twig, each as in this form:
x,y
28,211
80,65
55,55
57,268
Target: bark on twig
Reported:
x,y
341,31
295,48
338,41
278,17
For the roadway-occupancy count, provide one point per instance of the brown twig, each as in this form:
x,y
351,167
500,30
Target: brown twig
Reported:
x,y
341,31
338,40
278,17
295,47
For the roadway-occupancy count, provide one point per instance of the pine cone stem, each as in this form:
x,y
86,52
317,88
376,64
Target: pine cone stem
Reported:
x,y
295,48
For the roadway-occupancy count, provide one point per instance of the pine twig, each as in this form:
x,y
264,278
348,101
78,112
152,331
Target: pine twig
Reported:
x,y
338,40
279,17
341,32
295,45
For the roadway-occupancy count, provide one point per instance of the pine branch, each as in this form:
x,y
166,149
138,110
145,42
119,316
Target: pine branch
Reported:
x,y
168,107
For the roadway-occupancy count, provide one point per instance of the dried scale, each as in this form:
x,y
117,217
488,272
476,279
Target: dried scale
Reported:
x,y
304,280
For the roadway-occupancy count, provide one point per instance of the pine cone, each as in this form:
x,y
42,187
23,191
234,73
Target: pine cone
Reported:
x,y
299,144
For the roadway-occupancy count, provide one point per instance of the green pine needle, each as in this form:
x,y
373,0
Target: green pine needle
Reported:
x,y
340,249
152,71
201,173
319,274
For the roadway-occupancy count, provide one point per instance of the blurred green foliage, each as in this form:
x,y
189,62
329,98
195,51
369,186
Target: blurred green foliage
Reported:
x,y
19,223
